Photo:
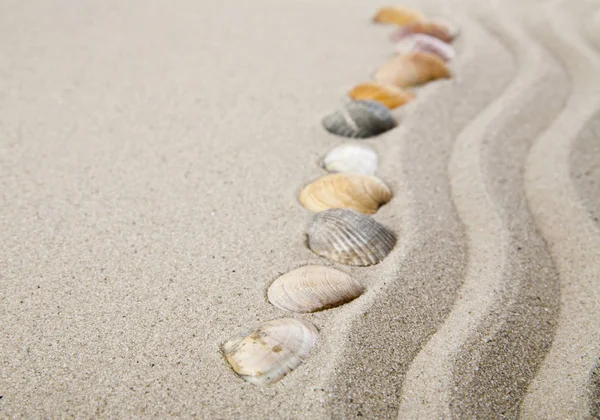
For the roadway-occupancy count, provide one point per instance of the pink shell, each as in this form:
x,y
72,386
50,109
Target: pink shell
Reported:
x,y
420,42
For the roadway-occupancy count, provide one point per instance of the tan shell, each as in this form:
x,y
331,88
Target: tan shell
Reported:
x,y
349,237
313,288
266,354
412,69
388,95
432,28
346,190
397,15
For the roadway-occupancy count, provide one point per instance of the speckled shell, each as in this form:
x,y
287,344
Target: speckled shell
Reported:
x,y
358,192
436,29
360,119
425,43
349,237
351,157
412,69
388,95
313,288
266,354
397,15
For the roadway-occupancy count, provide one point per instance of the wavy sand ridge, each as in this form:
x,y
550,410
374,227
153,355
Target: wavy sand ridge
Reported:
x,y
482,359
562,386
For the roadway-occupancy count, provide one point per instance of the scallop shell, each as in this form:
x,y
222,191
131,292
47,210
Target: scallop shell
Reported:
x,y
313,288
431,28
351,157
348,237
388,95
425,43
360,119
397,15
346,191
266,354
412,69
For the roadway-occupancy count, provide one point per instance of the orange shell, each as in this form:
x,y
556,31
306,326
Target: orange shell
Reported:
x,y
388,95
434,29
412,69
397,15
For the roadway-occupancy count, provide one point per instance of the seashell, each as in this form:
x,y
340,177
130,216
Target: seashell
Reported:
x,y
348,237
412,69
397,15
450,26
347,191
351,157
425,43
432,28
360,119
266,354
390,96
313,288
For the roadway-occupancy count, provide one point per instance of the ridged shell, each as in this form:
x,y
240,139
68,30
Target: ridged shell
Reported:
x,y
432,28
313,288
348,237
360,119
397,15
412,69
425,43
266,354
351,157
345,191
388,95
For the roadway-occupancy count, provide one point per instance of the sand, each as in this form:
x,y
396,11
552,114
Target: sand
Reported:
x,y
151,154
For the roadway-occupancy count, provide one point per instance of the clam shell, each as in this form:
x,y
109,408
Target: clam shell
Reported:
x,y
345,191
388,95
360,119
351,157
425,43
313,288
397,15
348,237
436,29
412,69
266,354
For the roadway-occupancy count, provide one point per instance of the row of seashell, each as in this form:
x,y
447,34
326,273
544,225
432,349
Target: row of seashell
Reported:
x,y
342,230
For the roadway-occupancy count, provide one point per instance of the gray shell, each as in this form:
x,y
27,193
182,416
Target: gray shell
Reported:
x,y
360,119
349,237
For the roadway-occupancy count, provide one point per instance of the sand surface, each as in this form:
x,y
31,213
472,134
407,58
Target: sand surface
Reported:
x,y
151,153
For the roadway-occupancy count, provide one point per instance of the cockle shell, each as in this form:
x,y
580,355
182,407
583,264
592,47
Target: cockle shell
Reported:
x,y
313,288
266,354
360,119
349,237
351,157
346,191
425,43
432,28
388,95
412,69
397,15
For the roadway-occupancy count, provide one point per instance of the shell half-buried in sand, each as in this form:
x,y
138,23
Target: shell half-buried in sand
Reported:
x,y
388,95
425,43
412,69
360,119
313,288
349,237
266,354
397,15
358,192
351,157
436,29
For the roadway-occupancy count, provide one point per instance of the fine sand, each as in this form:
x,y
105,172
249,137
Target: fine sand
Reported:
x,y
151,154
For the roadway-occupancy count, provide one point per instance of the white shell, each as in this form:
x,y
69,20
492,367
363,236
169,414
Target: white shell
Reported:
x,y
313,288
351,157
266,354
421,42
